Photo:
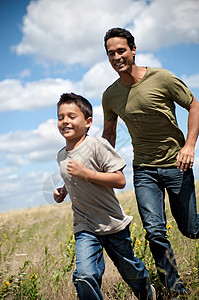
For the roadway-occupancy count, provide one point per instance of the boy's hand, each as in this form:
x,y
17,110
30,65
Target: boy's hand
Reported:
x,y
111,179
77,169
59,194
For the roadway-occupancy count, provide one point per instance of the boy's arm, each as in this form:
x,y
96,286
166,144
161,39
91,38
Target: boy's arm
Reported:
x,y
59,194
114,180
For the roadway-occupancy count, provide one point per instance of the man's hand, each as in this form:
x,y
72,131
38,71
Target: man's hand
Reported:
x,y
185,158
77,169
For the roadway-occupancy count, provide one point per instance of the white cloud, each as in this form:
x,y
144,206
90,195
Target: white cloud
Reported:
x,y
14,95
197,145
196,166
4,172
37,94
25,73
165,23
96,80
26,147
70,32
148,59
192,81
40,145
22,190
98,115
46,92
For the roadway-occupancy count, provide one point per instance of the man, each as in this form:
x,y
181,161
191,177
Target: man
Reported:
x,y
144,98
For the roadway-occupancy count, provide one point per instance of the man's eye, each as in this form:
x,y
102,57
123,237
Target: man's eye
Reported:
x,y
121,52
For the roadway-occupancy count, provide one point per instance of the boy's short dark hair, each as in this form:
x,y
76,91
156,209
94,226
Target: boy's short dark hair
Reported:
x,y
119,32
83,104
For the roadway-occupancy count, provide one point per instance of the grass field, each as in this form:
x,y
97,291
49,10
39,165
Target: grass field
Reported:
x,y
37,254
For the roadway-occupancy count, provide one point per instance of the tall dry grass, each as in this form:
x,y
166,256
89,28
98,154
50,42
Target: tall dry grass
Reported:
x,y
37,254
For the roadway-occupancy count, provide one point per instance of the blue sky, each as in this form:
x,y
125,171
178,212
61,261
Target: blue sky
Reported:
x,y
50,47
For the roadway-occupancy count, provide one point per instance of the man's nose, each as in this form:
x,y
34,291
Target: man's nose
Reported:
x,y
117,56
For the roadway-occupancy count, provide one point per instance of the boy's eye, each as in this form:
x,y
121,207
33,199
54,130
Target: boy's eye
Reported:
x,y
72,117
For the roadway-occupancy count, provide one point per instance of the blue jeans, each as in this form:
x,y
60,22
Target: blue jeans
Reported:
x,y
90,264
150,185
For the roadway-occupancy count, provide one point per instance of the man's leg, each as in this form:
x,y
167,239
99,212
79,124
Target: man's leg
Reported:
x,y
150,198
118,246
182,197
90,266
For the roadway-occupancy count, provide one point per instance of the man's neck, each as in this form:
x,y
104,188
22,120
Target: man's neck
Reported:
x,y
130,78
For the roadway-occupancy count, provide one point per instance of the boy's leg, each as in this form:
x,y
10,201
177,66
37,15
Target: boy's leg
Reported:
x,y
118,247
182,197
149,189
90,266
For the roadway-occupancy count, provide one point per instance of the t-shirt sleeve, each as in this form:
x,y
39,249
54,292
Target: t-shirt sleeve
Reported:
x,y
61,155
108,158
178,90
109,114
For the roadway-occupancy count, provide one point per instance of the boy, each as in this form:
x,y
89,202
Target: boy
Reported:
x,y
91,168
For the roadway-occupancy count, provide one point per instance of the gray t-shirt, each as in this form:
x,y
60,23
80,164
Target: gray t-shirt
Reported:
x,y
96,208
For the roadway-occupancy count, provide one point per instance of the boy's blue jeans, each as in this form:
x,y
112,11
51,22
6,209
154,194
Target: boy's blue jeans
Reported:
x,y
90,264
150,185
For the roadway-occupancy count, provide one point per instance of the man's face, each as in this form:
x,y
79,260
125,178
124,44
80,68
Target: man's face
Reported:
x,y
120,55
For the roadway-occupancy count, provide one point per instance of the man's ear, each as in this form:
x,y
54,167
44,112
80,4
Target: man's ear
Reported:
x,y
89,122
134,50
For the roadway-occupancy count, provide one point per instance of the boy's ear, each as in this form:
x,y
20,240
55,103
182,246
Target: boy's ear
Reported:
x,y
89,122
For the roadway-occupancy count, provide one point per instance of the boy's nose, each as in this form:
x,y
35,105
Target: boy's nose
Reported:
x,y
66,120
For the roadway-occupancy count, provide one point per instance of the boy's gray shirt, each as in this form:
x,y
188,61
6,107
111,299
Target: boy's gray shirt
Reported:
x,y
96,208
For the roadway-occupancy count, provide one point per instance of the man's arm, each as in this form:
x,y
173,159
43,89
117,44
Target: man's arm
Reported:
x,y
113,180
109,132
185,157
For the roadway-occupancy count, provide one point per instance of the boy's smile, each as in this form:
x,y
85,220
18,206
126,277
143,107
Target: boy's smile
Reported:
x,y
72,124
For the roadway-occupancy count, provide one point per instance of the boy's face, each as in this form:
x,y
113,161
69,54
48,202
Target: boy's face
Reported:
x,y
72,124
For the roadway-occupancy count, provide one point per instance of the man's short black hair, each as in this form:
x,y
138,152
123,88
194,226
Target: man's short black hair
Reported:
x,y
119,32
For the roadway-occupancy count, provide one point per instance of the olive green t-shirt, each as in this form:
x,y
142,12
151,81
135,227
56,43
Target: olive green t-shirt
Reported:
x,y
148,110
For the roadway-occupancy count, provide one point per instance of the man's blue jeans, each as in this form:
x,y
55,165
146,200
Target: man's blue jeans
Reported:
x,y
90,264
150,184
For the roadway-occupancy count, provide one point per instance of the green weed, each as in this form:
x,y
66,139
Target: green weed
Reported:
x,y
37,255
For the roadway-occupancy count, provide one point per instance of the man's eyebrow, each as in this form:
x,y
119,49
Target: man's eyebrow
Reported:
x,y
118,49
